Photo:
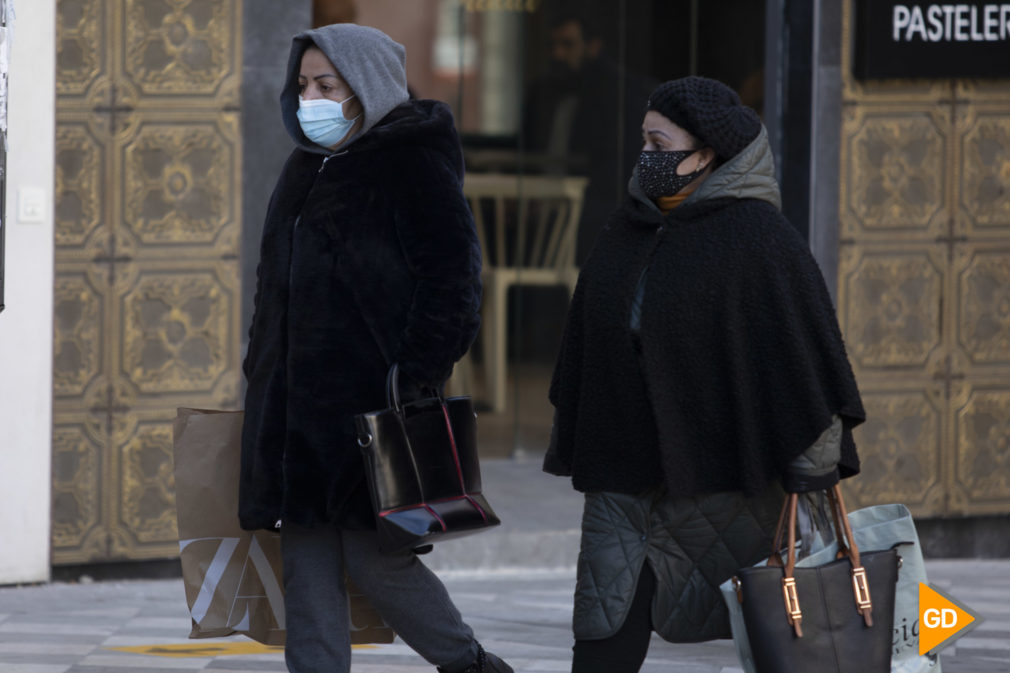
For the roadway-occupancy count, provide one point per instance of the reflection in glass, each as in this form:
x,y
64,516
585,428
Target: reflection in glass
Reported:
x,y
551,88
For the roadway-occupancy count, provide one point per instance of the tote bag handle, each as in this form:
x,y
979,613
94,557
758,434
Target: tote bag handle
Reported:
x,y
393,390
847,548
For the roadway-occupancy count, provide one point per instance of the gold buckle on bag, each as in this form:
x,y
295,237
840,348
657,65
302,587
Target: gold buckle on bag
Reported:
x,y
792,604
861,589
737,589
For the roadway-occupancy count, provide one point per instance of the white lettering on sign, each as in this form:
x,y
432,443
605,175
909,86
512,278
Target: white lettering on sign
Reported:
x,y
951,23
943,619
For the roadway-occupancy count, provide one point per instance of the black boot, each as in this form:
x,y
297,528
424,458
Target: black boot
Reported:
x,y
485,663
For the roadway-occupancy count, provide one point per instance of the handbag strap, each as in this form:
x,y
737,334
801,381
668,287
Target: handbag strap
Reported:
x,y
843,548
846,548
789,595
776,558
860,584
393,401
393,389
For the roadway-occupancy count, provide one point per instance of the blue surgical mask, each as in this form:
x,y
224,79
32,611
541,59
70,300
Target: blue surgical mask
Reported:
x,y
323,121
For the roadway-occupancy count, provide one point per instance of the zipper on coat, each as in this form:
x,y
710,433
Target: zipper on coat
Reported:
x,y
287,342
291,270
327,158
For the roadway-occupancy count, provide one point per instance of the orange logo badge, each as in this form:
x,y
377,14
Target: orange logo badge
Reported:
x,y
942,620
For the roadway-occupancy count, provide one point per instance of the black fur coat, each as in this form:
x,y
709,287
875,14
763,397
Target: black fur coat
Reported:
x,y
369,256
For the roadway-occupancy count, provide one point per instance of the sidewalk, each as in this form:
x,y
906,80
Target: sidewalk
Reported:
x,y
540,513
513,585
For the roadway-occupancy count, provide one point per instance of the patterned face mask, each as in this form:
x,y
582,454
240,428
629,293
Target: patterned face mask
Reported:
x,y
657,172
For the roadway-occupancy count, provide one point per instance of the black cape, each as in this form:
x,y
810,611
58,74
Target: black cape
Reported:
x,y
742,363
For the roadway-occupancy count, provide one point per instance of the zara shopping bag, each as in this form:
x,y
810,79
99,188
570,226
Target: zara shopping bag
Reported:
x,y
422,469
876,528
233,577
834,617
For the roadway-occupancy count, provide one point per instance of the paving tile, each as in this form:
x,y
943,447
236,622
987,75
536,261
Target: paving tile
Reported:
x,y
113,662
58,629
519,605
47,647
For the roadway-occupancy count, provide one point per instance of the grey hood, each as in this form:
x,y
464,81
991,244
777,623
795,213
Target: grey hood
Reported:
x,y
748,175
370,62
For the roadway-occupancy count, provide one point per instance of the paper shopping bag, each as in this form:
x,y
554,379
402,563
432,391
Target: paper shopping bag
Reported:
x,y
233,577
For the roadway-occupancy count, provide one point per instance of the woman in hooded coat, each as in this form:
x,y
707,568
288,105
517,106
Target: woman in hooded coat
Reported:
x,y
701,371
369,257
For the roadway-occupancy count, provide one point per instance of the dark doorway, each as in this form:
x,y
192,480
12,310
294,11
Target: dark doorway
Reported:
x,y
724,40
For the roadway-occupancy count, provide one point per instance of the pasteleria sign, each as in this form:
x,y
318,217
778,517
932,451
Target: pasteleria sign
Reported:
x,y
931,39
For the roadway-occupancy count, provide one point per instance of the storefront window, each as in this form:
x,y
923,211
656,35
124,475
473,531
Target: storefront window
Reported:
x,y
549,97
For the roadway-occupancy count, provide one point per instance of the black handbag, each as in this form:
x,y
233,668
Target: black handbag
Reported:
x,y
837,617
422,469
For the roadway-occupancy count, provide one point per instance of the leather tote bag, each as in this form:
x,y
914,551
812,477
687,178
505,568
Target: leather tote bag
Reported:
x,y
837,617
422,469
876,527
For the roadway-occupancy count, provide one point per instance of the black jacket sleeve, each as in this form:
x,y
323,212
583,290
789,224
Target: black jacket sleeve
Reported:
x,y
438,238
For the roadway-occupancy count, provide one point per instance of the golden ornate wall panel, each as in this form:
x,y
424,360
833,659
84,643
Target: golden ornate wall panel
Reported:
x,y
982,90
79,443
891,301
924,288
80,202
983,134
82,49
982,293
148,159
895,172
901,445
899,91
980,469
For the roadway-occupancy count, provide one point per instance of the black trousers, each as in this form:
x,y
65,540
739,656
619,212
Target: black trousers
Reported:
x,y
623,652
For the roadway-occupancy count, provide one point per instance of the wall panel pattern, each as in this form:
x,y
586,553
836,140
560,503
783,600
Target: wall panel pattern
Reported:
x,y
924,288
904,427
147,212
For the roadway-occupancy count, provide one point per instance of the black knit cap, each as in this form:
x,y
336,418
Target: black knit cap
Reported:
x,y
710,111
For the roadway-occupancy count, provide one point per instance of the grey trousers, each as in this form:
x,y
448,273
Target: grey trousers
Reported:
x,y
410,598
